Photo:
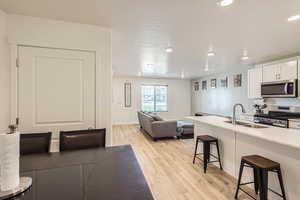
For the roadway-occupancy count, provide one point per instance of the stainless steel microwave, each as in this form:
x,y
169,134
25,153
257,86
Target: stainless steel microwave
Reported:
x,y
282,89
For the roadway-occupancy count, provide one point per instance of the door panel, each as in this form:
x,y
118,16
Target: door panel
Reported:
x,y
48,110
56,90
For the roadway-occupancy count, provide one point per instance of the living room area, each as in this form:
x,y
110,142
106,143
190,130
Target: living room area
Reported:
x,y
158,105
164,156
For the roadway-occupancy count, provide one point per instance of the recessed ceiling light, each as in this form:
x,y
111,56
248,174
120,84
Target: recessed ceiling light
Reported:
x,y
211,53
206,67
244,57
182,74
224,3
294,18
169,49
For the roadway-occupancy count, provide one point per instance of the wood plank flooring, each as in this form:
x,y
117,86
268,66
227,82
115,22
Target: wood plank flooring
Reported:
x,y
168,168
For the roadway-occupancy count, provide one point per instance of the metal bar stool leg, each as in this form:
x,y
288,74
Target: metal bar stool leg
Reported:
x,y
206,148
239,180
256,179
263,189
208,152
219,157
196,148
281,183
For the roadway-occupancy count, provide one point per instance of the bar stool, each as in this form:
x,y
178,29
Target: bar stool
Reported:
x,y
261,167
207,140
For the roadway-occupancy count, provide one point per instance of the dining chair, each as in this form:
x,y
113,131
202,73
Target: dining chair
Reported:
x,y
32,143
82,139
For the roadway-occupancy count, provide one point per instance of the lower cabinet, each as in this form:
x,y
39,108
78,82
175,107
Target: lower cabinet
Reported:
x,y
289,159
226,143
234,145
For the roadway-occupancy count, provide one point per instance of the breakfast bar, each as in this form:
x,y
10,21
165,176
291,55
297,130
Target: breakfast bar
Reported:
x,y
279,144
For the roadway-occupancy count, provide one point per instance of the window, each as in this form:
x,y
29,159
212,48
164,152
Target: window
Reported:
x,y
154,98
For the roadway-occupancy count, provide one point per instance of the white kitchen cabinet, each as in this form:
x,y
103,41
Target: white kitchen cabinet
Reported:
x,y
280,72
289,70
255,77
270,73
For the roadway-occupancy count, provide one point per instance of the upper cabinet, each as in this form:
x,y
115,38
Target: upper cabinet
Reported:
x,y
271,73
289,70
255,77
280,72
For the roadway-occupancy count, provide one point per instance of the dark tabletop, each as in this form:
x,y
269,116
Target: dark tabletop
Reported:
x,y
104,173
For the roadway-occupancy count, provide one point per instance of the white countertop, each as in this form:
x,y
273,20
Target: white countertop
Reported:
x,y
288,137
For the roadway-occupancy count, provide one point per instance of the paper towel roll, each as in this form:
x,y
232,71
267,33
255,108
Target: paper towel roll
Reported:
x,y
9,161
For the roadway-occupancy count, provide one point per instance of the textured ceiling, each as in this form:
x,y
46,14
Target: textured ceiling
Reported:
x,y
142,29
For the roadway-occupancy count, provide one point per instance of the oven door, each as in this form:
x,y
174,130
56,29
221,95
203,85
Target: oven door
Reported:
x,y
287,89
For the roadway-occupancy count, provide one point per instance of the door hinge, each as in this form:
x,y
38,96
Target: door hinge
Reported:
x,y
17,62
17,121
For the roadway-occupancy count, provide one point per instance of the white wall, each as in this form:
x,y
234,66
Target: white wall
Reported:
x,y
179,98
23,30
4,75
221,100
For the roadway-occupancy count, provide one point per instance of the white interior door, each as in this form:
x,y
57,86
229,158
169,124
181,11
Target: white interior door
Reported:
x,y
56,90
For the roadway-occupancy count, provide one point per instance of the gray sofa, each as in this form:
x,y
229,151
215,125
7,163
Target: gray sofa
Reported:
x,y
156,127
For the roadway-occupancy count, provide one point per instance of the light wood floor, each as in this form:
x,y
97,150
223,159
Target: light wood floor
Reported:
x,y
168,168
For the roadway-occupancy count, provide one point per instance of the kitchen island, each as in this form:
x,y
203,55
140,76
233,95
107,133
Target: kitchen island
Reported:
x,y
279,144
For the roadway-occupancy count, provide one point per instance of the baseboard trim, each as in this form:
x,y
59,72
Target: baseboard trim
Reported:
x,y
125,123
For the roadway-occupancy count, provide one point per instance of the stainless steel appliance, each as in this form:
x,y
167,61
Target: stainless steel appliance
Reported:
x,y
276,118
282,89
294,123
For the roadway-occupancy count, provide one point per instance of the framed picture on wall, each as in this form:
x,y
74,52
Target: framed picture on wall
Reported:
x,y
204,85
213,83
237,80
127,95
224,82
196,86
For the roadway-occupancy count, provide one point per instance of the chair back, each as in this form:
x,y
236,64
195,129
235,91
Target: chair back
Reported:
x,y
31,143
82,139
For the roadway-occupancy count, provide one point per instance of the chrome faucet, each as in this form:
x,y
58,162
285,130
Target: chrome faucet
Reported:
x,y
234,110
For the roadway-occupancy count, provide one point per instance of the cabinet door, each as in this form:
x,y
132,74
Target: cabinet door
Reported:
x,y
254,82
288,70
271,73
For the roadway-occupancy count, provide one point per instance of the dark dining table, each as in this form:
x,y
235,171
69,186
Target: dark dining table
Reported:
x,y
111,173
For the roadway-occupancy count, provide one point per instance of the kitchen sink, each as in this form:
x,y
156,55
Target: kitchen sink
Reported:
x,y
250,125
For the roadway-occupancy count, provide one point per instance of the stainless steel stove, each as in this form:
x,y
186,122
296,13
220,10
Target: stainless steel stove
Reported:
x,y
276,118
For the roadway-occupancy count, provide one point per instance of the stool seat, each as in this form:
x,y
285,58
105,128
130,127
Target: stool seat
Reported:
x,y
260,162
207,138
